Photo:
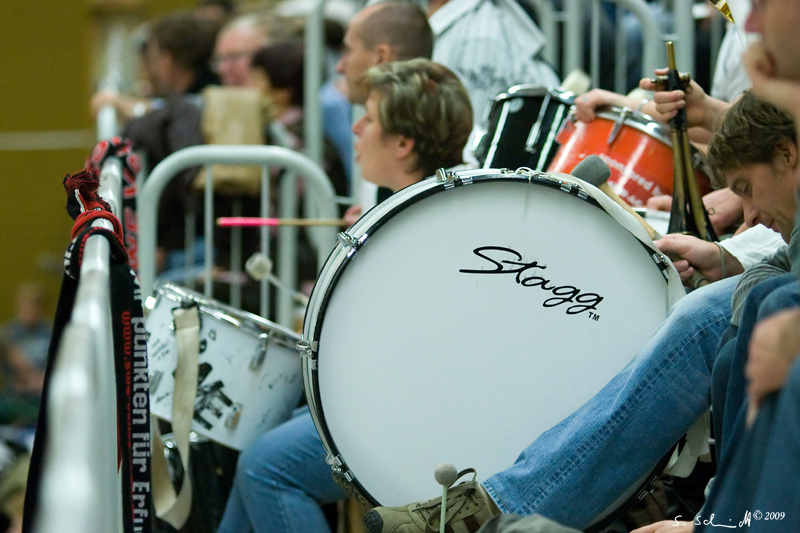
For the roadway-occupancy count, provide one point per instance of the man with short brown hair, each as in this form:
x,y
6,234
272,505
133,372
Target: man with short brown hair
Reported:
x,y
389,31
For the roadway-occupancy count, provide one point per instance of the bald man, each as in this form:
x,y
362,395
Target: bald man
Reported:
x,y
389,31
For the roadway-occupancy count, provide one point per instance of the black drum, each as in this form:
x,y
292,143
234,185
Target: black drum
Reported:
x,y
521,127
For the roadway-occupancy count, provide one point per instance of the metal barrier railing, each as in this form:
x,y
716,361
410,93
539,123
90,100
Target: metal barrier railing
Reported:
x,y
567,52
653,55
80,482
320,201
313,65
107,124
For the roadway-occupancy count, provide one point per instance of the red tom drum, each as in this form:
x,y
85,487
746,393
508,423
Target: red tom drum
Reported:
x,y
637,149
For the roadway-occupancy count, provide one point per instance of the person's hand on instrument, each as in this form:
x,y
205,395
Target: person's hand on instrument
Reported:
x,y
766,84
690,253
701,110
587,103
724,210
352,215
774,346
667,526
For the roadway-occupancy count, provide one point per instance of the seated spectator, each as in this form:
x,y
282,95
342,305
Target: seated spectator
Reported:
x,y
406,134
25,342
181,46
278,72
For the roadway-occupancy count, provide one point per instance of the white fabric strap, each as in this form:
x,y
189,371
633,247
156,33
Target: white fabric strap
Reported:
x,y
697,444
171,508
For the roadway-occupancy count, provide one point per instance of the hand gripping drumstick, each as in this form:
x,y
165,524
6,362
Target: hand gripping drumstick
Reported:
x,y
247,222
595,171
445,474
592,169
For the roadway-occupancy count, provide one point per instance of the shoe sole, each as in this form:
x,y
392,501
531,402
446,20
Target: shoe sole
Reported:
x,y
373,522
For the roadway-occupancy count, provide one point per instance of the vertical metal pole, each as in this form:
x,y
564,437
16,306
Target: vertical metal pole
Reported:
x,y
574,36
594,37
265,197
684,29
209,233
314,58
236,256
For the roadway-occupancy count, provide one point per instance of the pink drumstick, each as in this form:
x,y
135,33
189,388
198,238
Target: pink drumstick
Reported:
x,y
234,222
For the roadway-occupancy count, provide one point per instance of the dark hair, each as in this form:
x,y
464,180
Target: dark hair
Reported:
x,y
749,134
228,7
189,39
283,64
426,102
403,26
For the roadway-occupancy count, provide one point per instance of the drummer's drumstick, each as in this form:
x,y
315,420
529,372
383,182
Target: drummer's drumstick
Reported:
x,y
249,222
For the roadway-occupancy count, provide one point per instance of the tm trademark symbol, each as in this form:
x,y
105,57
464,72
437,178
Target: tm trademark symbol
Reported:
x,y
594,316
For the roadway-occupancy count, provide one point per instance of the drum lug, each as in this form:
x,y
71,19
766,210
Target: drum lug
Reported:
x,y
338,467
351,242
308,349
443,176
232,420
662,263
261,352
618,124
450,179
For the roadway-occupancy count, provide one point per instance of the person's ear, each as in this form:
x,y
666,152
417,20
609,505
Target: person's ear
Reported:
x,y
384,53
787,150
404,147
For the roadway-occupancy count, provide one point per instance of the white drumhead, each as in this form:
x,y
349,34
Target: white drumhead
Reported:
x,y
420,363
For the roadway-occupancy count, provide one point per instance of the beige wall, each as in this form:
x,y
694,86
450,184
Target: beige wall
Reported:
x,y
46,58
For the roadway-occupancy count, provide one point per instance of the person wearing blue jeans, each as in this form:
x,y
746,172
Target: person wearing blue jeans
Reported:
x,y
281,481
575,471
615,438
758,466
282,478
601,450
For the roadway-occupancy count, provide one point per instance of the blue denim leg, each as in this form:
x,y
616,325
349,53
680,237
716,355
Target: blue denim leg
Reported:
x,y
281,481
720,376
778,489
766,298
576,470
762,474
758,468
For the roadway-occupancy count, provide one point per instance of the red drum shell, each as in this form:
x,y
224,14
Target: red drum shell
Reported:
x,y
639,155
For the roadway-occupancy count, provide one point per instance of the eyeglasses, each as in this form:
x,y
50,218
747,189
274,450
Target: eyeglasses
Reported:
x,y
233,57
722,7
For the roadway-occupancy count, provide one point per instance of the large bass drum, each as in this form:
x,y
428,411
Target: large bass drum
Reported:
x,y
466,315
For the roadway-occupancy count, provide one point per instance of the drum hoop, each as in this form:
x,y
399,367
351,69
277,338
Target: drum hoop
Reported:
x,y
339,260
534,90
277,333
638,121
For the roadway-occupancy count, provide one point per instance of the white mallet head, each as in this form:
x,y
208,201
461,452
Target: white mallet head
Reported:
x,y
446,474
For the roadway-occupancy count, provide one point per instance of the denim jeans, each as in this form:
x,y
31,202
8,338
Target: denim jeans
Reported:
x,y
758,467
728,383
577,469
281,480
